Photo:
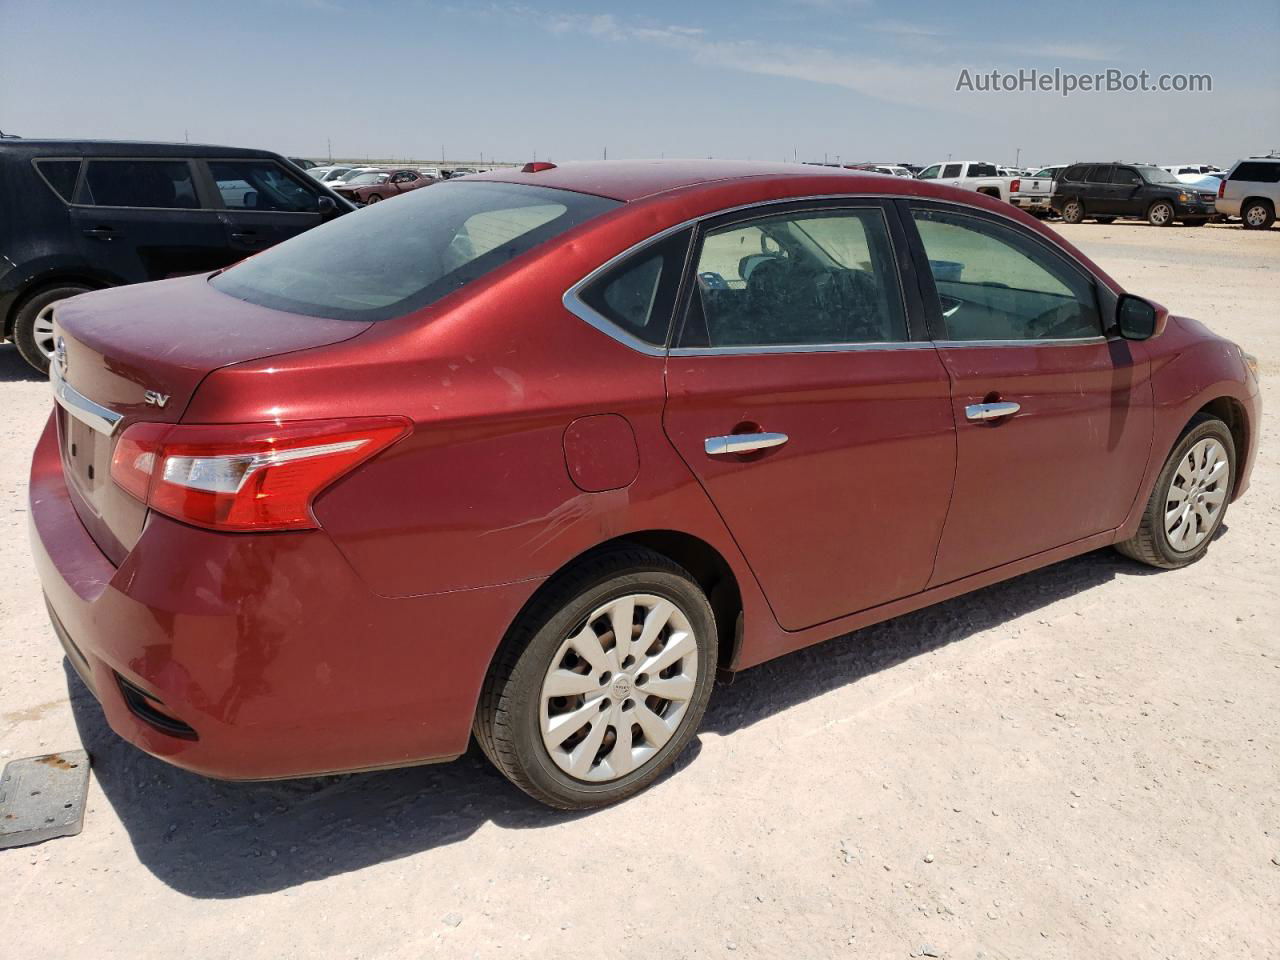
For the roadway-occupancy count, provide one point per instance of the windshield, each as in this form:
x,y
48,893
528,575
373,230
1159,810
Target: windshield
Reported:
x,y
1156,175
389,259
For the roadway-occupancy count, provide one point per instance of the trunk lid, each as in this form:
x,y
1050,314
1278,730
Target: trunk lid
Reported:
x,y
138,353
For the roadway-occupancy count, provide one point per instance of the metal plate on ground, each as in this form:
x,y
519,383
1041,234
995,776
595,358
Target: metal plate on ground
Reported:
x,y
43,797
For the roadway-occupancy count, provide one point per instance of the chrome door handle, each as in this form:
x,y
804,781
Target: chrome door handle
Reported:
x,y
991,411
743,443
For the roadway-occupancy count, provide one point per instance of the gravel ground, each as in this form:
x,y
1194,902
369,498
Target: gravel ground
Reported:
x,y
1081,762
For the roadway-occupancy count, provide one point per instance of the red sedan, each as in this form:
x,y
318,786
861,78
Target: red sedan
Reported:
x,y
531,454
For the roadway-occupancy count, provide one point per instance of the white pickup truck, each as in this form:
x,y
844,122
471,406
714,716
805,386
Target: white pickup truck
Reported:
x,y
973,175
1033,193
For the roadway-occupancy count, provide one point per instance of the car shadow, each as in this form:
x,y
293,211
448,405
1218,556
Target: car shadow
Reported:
x,y
13,368
220,840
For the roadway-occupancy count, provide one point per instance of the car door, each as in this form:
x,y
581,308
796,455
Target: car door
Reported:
x,y
137,219
952,174
1100,195
263,203
815,418
1126,187
1054,419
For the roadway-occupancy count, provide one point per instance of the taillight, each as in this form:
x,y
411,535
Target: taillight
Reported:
x,y
1015,186
1222,188
244,476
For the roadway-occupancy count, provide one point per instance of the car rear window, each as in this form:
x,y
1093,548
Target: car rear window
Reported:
x,y
389,259
1257,172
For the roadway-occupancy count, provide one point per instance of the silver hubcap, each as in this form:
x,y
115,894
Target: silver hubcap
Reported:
x,y
42,331
1255,216
1073,210
1160,214
1196,495
618,689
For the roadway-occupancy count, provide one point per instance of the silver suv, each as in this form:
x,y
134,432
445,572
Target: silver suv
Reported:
x,y
1251,191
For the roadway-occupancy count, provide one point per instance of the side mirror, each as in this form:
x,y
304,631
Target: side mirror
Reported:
x,y
327,207
1138,319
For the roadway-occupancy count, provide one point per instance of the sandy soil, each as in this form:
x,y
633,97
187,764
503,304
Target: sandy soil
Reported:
x,y
1082,762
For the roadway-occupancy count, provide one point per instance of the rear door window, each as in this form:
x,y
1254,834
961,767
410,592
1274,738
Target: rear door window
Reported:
x,y
1100,174
393,258
261,185
158,184
802,279
60,175
952,170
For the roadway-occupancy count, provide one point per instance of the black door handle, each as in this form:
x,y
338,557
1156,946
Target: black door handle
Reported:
x,y
100,233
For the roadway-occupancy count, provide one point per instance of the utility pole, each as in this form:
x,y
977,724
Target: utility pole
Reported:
x,y
186,136
1017,156
606,153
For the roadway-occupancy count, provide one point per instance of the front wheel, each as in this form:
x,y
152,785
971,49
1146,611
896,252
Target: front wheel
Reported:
x,y
1189,499
602,683
1160,214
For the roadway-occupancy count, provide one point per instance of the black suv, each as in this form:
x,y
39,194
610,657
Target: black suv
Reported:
x,y
79,214
1105,191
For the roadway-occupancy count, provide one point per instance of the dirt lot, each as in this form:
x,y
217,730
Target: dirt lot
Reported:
x,y
1082,762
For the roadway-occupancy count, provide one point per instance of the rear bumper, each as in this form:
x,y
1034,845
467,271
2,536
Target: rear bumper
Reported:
x,y
260,656
1030,202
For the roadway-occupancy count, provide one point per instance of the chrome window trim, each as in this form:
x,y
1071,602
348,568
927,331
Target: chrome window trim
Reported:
x,y
1055,342
102,419
573,302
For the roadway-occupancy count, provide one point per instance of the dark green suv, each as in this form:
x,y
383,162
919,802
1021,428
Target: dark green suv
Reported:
x,y
1105,191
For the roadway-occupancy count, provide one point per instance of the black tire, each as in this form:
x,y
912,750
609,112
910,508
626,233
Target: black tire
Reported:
x,y
24,322
1161,214
1073,211
507,723
1261,212
1150,545
1105,220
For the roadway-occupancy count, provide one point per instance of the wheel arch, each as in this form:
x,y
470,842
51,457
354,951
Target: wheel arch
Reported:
x,y
708,567
1233,413
37,287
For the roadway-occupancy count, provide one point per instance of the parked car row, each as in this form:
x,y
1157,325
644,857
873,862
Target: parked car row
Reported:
x,y
1192,194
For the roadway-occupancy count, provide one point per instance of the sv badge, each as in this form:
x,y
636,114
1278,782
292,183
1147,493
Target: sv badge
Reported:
x,y
156,398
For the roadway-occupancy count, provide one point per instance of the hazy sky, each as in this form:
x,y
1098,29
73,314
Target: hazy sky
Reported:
x,y
861,79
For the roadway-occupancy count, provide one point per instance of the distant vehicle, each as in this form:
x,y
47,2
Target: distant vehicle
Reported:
x,y
487,465
433,172
892,169
375,187
460,172
304,163
1251,191
1033,193
1105,191
1193,169
973,175
83,214
331,173
351,174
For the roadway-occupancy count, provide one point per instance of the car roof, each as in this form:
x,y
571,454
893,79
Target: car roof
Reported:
x,y
124,148
629,180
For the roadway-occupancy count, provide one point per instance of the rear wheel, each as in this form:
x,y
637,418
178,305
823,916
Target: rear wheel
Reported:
x,y
1257,215
33,325
1072,211
373,198
1189,499
1160,214
602,683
